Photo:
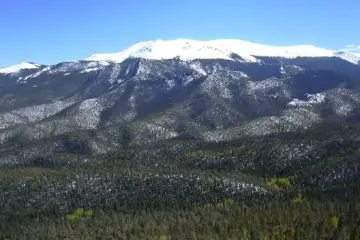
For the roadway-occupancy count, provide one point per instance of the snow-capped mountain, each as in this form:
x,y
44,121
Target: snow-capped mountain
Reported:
x,y
188,50
228,49
152,91
18,67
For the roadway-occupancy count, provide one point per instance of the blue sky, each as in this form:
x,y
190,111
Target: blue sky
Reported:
x,y
46,31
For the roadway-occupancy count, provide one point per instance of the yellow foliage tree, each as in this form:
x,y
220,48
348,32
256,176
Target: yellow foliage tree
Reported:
x,y
80,213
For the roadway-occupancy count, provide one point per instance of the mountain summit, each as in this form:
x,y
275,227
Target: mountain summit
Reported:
x,y
229,49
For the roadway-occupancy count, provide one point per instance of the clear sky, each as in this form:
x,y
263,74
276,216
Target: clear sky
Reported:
x,y
50,31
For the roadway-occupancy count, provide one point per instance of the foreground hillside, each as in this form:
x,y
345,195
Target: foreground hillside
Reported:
x,y
302,185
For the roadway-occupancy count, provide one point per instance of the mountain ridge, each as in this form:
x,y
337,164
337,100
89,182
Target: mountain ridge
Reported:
x,y
143,101
189,49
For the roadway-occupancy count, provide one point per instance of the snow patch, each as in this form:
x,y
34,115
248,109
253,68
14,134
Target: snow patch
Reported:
x,y
196,66
35,75
297,67
31,114
350,57
170,83
242,74
313,99
262,86
316,98
115,73
282,70
88,115
90,70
